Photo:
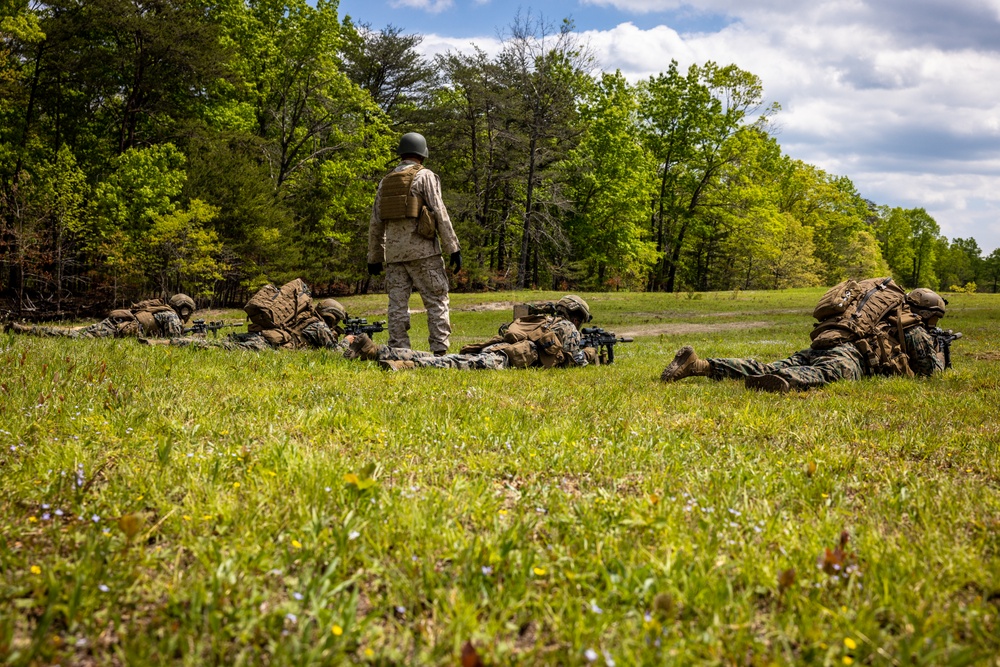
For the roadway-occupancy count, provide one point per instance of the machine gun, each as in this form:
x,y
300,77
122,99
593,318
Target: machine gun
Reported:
x,y
359,325
202,327
943,338
603,341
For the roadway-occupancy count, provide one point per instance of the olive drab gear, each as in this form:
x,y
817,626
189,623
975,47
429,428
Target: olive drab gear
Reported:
x,y
412,143
570,303
331,308
872,314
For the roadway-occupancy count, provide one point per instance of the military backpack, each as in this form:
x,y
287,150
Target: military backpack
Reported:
x,y
527,341
873,315
272,307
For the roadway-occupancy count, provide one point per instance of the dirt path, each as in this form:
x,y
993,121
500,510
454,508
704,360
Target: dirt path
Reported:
x,y
677,328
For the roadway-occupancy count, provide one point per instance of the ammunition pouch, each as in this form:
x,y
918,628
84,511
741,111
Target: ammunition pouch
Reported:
x,y
519,355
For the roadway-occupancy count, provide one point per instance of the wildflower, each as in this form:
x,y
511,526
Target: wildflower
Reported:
x,y
297,595
58,512
236,485
848,660
590,654
594,608
539,571
46,516
400,610
487,570
369,653
292,618
296,544
186,517
608,660
95,518
353,535
32,519
337,630
850,643
36,570
103,588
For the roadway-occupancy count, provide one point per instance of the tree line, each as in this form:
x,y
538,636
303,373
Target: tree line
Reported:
x,y
210,146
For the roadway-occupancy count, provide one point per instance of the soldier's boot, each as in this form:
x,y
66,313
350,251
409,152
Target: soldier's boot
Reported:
x,y
772,383
440,353
685,364
396,365
362,347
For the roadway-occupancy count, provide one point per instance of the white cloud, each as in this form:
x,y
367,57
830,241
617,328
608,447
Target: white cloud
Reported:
x,y
431,6
898,95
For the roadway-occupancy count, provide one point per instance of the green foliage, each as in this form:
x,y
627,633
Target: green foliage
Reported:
x,y
182,506
184,252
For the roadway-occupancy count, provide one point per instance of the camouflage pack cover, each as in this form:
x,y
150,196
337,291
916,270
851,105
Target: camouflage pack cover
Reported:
x,y
533,330
273,307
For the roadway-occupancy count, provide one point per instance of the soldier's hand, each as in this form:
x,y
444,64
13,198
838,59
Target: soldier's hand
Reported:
x,y
456,261
374,269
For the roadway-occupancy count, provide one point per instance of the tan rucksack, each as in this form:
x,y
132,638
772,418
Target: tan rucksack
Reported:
x,y
527,341
873,315
272,307
853,309
144,311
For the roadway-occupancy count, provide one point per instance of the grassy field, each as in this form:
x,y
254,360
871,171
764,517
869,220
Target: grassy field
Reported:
x,y
183,506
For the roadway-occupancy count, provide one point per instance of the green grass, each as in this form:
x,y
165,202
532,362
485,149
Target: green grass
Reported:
x,y
540,514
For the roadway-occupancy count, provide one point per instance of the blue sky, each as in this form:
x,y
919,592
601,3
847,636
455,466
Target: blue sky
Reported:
x,y
900,96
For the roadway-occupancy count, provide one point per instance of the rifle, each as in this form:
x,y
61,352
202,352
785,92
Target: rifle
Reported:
x,y
202,327
943,339
359,325
604,341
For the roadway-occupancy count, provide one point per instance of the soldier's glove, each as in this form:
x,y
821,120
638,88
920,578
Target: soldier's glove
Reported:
x,y
456,261
374,269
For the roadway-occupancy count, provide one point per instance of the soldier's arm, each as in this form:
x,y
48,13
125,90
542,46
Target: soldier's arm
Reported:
x,y
571,344
376,233
920,348
169,324
429,187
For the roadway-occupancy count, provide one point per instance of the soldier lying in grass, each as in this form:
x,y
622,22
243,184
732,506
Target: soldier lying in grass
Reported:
x,y
152,318
544,340
899,343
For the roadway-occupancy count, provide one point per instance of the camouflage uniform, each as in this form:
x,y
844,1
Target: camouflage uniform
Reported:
x,y
169,325
566,331
315,335
412,261
815,368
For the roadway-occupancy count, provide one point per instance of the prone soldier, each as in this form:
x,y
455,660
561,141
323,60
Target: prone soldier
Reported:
x,y
152,318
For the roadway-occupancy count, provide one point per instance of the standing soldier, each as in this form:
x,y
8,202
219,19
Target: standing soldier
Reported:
x,y
153,318
407,219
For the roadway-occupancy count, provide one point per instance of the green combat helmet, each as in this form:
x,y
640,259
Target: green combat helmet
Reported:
x,y
412,143
928,304
183,305
332,312
572,303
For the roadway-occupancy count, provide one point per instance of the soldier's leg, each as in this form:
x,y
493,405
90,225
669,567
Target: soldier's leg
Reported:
x,y
431,281
387,353
823,367
737,369
399,285
487,361
34,330
106,328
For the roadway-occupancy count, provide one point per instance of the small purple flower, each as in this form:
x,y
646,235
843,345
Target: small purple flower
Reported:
x,y
487,570
103,588
590,654
95,518
291,618
297,595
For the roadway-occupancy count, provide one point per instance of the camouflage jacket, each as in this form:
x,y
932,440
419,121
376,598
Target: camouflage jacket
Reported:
x,y
398,241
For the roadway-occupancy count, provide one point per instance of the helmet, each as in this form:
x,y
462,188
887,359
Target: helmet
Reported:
x,y
926,303
181,301
412,143
570,303
331,308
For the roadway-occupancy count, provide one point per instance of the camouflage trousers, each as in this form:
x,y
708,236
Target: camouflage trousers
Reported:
x,y
249,343
104,329
488,361
804,369
428,277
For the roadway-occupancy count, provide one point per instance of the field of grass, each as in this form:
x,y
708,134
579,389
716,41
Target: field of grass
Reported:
x,y
182,506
